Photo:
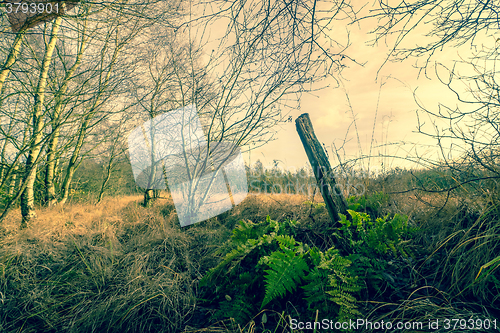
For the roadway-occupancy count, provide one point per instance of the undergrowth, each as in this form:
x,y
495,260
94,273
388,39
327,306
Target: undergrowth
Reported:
x,y
265,267
118,267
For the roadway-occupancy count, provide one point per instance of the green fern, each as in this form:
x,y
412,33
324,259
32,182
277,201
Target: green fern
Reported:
x,y
288,242
331,277
233,258
363,235
249,230
265,263
317,283
287,268
343,286
347,304
368,203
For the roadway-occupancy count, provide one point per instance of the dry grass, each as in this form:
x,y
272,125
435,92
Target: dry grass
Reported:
x,y
116,266
119,267
106,268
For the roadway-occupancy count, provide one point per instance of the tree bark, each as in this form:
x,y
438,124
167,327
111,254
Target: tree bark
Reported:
x,y
333,197
107,177
72,165
50,189
148,198
14,52
4,73
27,197
13,181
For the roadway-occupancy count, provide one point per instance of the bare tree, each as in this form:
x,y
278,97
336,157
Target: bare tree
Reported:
x,y
472,130
468,140
445,23
27,197
56,116
113,153
269,55
71,88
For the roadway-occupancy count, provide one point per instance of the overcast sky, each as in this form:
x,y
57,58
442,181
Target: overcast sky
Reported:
x,y
394,119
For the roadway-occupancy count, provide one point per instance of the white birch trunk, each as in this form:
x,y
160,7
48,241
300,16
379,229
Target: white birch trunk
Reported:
x,y
27,197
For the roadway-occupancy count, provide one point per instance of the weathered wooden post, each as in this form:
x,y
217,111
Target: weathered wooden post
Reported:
x,y
332,195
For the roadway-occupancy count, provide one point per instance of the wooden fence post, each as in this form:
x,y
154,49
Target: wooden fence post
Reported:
x,y
332,195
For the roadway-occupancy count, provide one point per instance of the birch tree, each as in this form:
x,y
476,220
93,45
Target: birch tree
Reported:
x,y
35,146
71,88
270,54
56,115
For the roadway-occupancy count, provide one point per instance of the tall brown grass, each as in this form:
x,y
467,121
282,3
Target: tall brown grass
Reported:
x,y
120,267
115,266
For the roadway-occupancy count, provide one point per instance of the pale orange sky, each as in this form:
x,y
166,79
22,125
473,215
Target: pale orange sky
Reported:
x,y
396,119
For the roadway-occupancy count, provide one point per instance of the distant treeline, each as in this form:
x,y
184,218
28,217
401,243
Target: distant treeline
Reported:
x,y
90,181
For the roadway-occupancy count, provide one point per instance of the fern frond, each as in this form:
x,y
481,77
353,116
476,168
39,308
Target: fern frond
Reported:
x,y
248,230
286,241
286,270
316,289
330,277
232,259
343,286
